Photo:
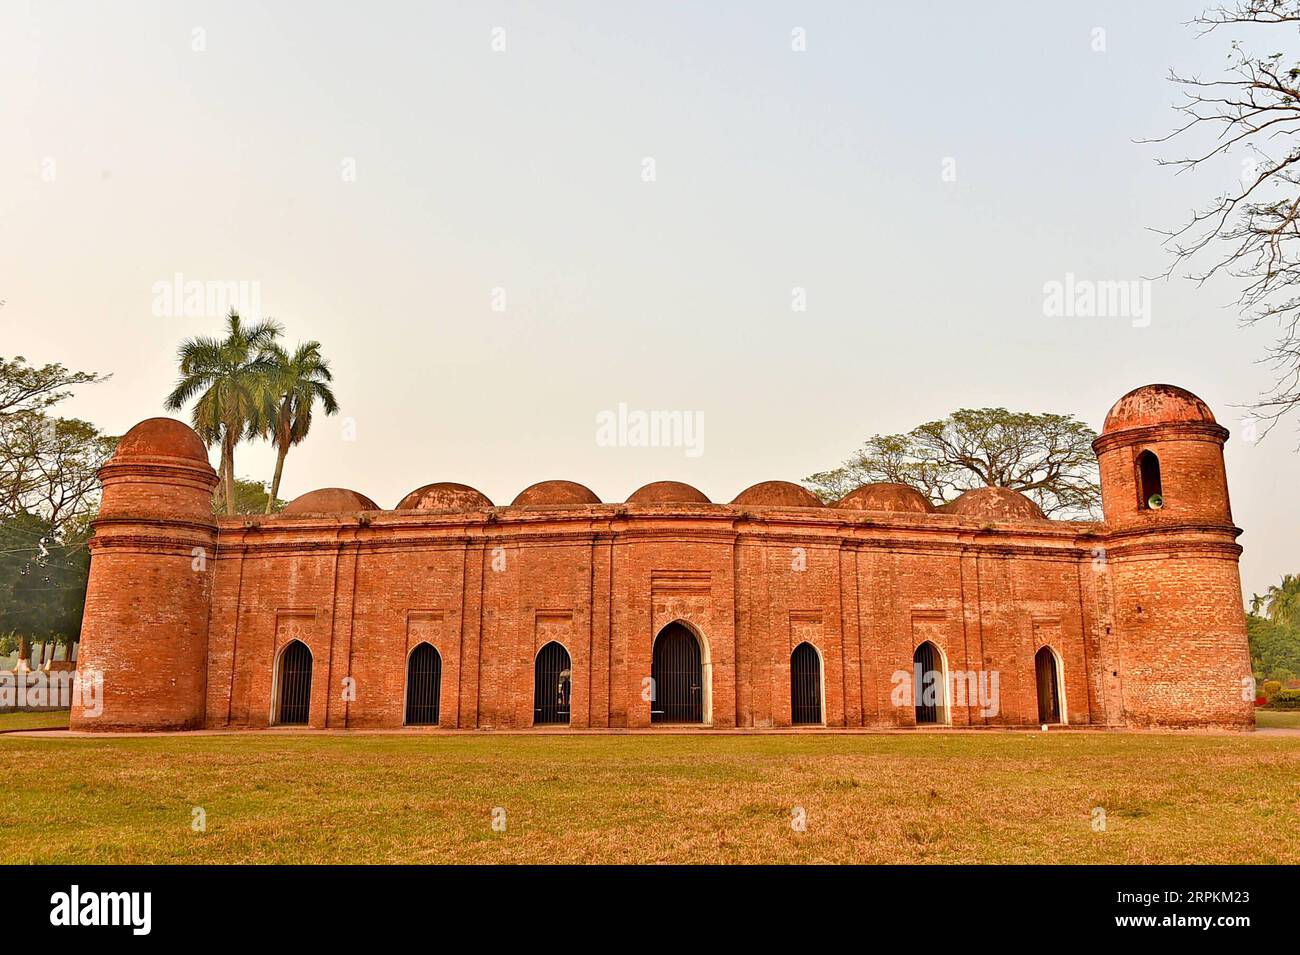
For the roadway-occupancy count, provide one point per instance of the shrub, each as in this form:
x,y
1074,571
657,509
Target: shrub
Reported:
x,y
1285,700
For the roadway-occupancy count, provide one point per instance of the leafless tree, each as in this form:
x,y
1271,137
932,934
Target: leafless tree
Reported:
x,y
1250,232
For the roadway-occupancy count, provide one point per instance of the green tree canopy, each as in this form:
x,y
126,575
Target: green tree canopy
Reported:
x,y
230,381
298,381
42,579
49,491
1047,457
251,497
1273,626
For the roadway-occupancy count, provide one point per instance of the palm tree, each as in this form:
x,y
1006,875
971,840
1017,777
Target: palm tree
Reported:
x,y
1284,600
298,381
231,378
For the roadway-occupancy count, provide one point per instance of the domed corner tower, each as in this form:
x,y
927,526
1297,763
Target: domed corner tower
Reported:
x,y
1180,651
144,635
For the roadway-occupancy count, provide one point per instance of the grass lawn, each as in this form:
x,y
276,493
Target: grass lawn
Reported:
x,y
34,721
1278,719
997,797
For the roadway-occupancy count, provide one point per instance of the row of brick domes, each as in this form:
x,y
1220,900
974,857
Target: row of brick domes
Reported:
x,y
165,440
988,502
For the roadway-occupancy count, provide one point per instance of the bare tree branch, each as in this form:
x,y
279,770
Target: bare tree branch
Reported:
x,y
1249,233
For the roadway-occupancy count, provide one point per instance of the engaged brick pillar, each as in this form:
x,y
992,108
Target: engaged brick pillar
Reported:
x,y
145,629
1171,551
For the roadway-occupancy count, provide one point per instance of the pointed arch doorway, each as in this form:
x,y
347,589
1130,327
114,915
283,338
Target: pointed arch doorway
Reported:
x,y
681,672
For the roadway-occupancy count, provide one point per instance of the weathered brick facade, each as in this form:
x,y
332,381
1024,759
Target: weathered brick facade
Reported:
x,y
187,616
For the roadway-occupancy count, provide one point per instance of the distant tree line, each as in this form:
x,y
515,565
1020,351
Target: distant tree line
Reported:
x,y
48,494
1273,625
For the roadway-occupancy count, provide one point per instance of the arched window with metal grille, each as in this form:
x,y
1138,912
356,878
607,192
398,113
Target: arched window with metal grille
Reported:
x,y
552,685
293,705
806,686
931,685
678,677
423,685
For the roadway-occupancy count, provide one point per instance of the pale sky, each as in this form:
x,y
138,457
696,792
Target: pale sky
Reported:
x,y
214,140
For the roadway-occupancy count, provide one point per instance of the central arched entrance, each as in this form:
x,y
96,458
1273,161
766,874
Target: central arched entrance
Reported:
x,y
1048,673
423,685
806,686
552,684
680,674
293,680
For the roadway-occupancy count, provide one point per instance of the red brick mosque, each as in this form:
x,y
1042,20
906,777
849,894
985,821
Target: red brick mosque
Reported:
x,y
770,611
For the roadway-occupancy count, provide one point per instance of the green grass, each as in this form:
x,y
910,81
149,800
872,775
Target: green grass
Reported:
x,y
1277,719
997,797
55,719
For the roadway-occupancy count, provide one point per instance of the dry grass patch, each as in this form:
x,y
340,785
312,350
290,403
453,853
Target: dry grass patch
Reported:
x,y
650,798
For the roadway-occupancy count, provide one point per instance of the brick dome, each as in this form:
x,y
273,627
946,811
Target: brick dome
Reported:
x,y
667,492
995,503
555,493
778,494
1156,404
330,500
444,496
162,437
886,496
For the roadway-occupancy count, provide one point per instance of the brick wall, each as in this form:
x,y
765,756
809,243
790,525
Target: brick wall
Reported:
x,y
603,580
1143,612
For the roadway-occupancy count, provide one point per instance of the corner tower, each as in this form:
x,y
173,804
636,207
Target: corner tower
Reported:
x,y
145,628
1172,554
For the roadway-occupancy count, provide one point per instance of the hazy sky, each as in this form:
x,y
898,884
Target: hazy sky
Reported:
x,y
379,169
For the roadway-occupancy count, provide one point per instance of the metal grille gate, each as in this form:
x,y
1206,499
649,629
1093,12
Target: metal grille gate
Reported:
x,y
805,686
552,684
927,671
423,686
1049,702
678,678
295,684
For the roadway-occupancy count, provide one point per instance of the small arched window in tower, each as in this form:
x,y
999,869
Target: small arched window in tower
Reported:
x,y
1151,495
423,685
